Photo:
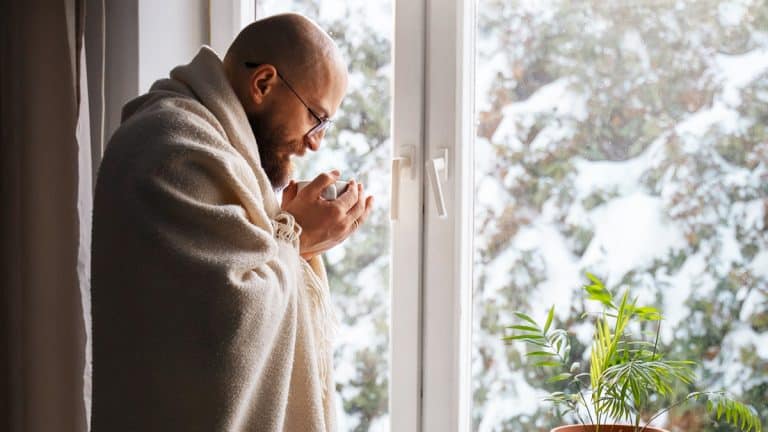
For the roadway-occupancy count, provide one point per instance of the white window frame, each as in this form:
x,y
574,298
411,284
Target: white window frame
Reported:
x,y
448,241
405,382
431,306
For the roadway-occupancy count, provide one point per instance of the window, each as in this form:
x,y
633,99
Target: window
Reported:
x,y
533,141
627,139
359,145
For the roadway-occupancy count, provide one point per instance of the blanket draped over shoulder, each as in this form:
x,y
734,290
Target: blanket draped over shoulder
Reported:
x,y
205,317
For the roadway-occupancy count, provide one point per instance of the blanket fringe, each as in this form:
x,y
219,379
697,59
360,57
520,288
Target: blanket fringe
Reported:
x,y
326,328
323,314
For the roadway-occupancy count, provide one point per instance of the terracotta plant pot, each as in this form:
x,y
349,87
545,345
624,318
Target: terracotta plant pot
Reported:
x,y
604,428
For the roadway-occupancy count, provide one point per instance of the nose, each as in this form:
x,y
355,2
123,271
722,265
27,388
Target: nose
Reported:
x,y
313,142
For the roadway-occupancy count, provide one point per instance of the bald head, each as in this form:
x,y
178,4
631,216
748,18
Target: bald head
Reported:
x,y
290,78
294,44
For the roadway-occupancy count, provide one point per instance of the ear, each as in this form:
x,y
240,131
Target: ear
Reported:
x,y
262,81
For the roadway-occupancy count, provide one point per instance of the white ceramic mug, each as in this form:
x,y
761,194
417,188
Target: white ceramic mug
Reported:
x,y
331,192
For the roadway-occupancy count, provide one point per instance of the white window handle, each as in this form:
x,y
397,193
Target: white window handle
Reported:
x,y
398,164
434,166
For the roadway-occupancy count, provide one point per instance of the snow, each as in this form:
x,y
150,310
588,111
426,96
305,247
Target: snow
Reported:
x,y
698,124
489,193
634,218
620,177
335,255
497,271
354,142
730,249
630,232
342,422
524,399
749,214
679,287
632,42
731,13
737,71
759,264
741,337
562,268
555,96
549,138
752,303
380,424
485,77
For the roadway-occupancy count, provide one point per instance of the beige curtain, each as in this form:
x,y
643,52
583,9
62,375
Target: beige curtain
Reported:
x,y
48,162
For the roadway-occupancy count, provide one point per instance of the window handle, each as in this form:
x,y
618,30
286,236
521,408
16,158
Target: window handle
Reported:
x,y
434,167
398,164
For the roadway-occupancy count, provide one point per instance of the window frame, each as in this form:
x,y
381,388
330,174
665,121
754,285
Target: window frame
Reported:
x,y
431,333
447,295
407,132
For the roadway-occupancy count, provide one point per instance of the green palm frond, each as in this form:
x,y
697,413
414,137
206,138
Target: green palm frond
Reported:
x,y
630,385
597,291
554,347
606,343
733,412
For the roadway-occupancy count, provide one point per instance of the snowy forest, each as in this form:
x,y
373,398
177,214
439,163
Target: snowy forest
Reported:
x,y
628,139
624,138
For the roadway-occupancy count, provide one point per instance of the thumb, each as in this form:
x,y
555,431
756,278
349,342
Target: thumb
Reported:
x,y
289,193
322,181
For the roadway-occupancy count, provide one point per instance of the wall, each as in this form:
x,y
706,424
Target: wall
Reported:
x,y
170,34
144,40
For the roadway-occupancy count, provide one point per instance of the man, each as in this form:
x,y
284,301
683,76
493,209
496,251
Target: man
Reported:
x,y
210,301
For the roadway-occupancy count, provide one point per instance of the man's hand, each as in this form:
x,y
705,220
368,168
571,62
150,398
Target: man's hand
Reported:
x,y
325,223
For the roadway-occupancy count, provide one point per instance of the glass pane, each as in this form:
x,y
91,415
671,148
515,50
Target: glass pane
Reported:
x,y
628,139
358,144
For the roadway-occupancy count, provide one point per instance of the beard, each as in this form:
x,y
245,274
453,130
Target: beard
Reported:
x,y
275,150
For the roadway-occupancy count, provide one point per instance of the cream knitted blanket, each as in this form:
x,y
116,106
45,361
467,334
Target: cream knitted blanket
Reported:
x,y
205,317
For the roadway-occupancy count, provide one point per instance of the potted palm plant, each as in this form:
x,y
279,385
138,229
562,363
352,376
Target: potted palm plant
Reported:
x,y
626,373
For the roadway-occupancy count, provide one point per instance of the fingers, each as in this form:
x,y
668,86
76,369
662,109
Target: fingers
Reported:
x,y
357,210
368,207
350,196
321,182
289,193
361,210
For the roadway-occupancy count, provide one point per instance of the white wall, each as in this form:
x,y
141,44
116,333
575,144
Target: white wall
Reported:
x,y
170,34
228,17
144,40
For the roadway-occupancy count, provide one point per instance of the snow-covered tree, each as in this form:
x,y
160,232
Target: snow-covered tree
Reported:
x,y
627,139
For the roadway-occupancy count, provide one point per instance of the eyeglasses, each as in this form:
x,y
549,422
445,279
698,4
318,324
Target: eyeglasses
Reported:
x,y
323,123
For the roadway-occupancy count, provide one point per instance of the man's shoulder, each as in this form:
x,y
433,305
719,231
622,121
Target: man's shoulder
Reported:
x,y
162,111
161,128
163,118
